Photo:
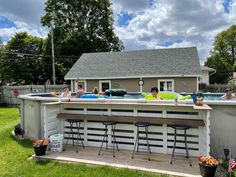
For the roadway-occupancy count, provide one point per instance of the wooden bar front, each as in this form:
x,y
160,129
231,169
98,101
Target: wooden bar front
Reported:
x,y
160,115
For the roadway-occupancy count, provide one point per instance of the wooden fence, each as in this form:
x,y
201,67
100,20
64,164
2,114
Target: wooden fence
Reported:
x,y
216,88
8,94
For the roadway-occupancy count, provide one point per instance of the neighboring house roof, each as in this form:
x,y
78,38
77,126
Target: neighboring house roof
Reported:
x,y
134,64
206,68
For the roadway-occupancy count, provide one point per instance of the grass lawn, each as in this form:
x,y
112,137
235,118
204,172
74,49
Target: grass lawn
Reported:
x,y
14,158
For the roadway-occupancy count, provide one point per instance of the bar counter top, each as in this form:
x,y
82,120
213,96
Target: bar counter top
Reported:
x,y
204,107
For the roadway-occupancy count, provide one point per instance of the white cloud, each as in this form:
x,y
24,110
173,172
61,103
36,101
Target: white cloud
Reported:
x,y
195,23
28,11
7,32
130,5
26,16
232,15
22,26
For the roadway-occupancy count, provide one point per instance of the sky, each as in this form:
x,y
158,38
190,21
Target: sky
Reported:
x,y
140,24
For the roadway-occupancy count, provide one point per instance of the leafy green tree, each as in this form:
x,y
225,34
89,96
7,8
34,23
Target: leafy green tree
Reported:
x,y
21,60
79,27
222,57
1,59
223,69
86,24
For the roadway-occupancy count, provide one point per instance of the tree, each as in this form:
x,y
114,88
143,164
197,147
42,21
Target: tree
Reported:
x,y
1,59
222,57
222,67
22,59
80,27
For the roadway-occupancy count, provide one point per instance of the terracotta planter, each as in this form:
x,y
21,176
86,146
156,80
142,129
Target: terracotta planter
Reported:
x,y
207,170
40,149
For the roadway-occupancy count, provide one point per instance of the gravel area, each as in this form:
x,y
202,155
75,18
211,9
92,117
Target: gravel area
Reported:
x,y
221,172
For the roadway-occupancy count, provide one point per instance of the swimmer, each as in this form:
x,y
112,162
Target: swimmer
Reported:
x,y
228,94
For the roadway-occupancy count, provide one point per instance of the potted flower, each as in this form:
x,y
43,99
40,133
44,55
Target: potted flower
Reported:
x,y
40,147
208,165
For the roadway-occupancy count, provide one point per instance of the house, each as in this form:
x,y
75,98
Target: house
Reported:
x,y
206,73
172,69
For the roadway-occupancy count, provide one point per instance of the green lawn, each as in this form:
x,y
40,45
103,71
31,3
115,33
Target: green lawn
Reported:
x,y
14,158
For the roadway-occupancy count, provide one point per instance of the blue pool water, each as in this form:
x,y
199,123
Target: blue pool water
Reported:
x,y
207,96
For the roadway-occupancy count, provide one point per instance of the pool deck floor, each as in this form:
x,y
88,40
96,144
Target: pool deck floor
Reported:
x,y
160,163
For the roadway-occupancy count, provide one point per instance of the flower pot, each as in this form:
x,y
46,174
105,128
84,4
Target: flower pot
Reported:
x,y
207,170
40,149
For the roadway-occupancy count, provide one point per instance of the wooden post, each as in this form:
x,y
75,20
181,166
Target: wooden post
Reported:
x,y
45,118
85,132
165,147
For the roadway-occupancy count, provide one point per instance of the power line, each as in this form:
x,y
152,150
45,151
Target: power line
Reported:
x,y
44,56
33,59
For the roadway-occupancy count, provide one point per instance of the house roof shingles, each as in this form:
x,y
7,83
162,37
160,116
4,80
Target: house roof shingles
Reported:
x,y
157,62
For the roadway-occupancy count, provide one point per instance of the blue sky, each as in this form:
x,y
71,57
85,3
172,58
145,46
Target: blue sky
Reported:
x,y
226,4
124,18
6,23
140,24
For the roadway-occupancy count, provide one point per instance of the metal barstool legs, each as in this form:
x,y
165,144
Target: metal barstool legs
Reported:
x,y
105,136
136,144
78,137
113,138
146,131
77,123
186,147
70,133
185,142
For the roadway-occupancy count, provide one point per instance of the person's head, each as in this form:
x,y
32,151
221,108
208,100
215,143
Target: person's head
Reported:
x,y
80,87
228,91
154,91
95,90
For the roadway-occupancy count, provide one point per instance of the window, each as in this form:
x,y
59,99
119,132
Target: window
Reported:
x,y
166,85
104,85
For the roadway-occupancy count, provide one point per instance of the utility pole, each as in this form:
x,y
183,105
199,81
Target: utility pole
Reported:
x,y
53,58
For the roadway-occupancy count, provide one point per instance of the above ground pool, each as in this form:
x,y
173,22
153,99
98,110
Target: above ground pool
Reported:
x,y
36,109
134,95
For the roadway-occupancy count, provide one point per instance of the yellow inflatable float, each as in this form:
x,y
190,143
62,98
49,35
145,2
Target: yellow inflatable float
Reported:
x,y
166,96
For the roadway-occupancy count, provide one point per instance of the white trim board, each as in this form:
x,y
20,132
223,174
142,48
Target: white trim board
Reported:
x,y
132,77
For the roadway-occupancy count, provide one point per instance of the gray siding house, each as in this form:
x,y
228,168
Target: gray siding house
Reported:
x,y
172,69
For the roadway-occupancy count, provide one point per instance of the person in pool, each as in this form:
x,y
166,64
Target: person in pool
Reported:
x,y
228,94
66,92
80,91
153,96
95,90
